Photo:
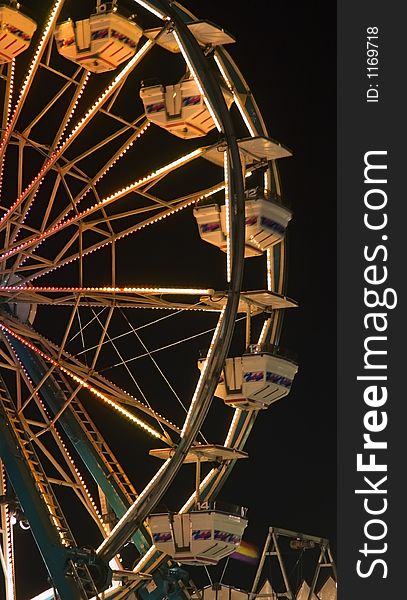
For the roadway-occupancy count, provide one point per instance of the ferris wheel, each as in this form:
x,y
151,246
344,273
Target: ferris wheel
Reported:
x,y
138,182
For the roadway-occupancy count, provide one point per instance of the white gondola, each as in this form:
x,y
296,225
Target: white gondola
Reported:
x,y
266,223
100,43
16,31
256,379
210,225
179,108
200,537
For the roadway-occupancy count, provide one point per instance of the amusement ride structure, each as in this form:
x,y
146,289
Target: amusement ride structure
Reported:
x,y
102,171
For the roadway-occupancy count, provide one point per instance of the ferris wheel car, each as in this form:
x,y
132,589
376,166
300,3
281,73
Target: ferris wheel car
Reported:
x,y
100,43
201,537
265,224
180,108
16,31
256,379
210,225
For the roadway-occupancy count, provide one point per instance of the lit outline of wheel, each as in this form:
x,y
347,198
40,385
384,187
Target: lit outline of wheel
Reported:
x,y
238,424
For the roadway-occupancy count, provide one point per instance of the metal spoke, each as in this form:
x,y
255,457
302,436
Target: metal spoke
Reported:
x,y
166,347
63,125
39,271
45,38
112,198
113,345
137,297
76,130
89,380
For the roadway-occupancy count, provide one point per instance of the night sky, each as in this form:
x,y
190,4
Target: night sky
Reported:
x,y
287,54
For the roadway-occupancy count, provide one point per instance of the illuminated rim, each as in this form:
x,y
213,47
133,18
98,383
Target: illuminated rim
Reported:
x,y
21,256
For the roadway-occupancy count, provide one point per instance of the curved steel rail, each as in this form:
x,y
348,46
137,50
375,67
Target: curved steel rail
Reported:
x,y
223,335
242,422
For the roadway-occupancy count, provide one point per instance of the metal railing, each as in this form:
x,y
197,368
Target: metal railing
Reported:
x,y
272,349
